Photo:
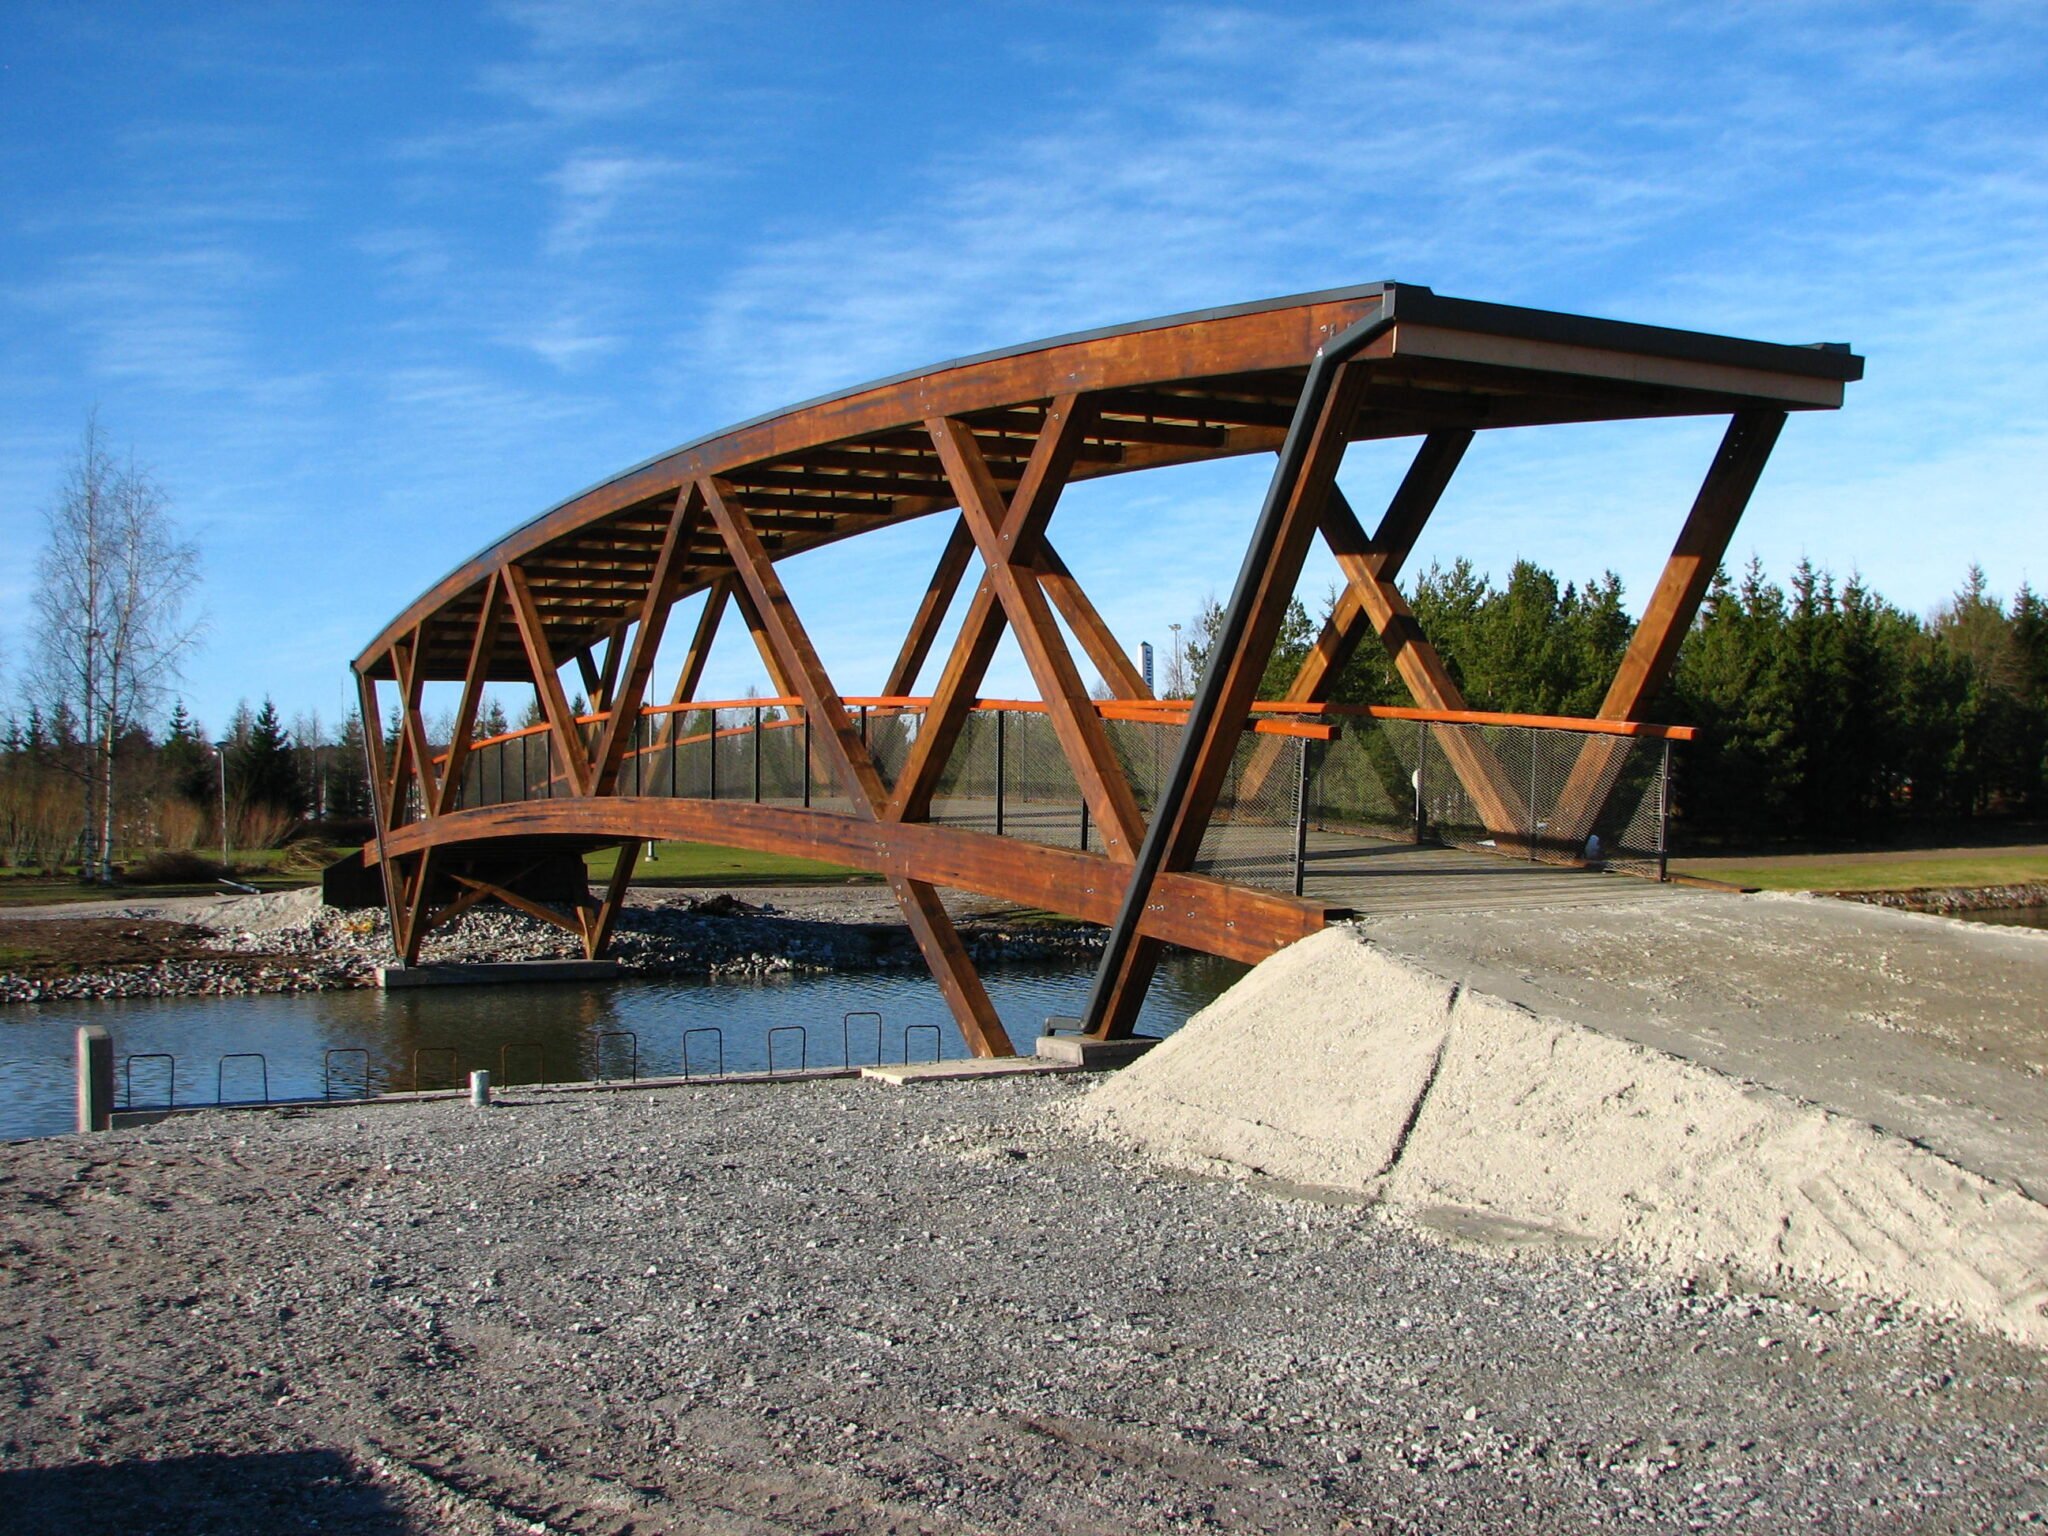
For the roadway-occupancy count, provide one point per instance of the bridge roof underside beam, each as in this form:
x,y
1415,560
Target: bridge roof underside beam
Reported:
x,y
1183,389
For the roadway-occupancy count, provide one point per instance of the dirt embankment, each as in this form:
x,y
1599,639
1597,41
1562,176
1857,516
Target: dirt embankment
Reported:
x,y
288,942
1953,898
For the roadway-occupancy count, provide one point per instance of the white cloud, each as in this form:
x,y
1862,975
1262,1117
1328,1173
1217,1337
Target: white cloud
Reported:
x,y
589,189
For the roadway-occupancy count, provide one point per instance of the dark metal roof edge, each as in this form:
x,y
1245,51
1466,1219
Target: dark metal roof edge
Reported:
x,y
1815,360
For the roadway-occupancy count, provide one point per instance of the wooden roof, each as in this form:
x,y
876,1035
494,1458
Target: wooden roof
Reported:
x,y
1176,390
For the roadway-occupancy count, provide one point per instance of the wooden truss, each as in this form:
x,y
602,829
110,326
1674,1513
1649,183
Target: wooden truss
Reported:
x,y
593,583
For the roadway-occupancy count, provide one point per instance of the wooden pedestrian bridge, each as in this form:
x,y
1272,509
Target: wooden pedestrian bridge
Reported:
x,y
1219,823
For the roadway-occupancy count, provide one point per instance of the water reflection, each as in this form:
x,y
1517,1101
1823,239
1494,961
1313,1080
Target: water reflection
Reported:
x,y
434,1037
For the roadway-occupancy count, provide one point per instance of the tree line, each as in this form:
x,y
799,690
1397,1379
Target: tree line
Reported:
x,y
1824,710
176,786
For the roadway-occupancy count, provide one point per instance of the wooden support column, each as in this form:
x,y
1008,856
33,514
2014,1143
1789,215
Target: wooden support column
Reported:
x,y
1730,481
381,812
779,677
597,926
1494,793
604,695
1378,561
759,589
931,611
1008,536
952,703
593,680
1263,594
838,741
414,932
410,760
974,647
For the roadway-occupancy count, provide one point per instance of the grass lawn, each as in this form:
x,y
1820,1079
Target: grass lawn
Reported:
x,y
1875,871
252,866
682,864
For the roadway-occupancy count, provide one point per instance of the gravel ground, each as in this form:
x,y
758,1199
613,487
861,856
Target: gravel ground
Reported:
x,y
288,942
840,1307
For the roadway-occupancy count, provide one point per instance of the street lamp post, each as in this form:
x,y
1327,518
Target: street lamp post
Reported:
x,y
221,755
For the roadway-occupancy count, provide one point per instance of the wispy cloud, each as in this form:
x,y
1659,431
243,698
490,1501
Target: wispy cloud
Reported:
x,y
172,317
591,186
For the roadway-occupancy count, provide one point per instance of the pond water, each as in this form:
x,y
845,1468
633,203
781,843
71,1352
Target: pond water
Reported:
x,y
2010,917
226,1048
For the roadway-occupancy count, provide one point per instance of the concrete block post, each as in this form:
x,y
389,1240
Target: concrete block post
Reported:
x,y
95,1078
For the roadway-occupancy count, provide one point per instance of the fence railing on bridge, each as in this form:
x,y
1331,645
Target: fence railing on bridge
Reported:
x,y
1548,789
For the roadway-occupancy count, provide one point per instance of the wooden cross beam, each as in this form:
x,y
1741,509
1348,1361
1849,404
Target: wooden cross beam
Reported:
x,y
1111,660
624,706
482,647
381,807
692,670
931,611
1028,510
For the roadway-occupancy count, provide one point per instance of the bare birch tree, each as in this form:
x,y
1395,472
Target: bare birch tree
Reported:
x,y
111,628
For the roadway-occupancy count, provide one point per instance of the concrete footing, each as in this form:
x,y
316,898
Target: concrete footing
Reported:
x,y
1093,1055
973,1066
393,978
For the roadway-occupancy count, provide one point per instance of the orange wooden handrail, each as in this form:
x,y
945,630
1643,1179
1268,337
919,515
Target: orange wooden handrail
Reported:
x,y
1163,710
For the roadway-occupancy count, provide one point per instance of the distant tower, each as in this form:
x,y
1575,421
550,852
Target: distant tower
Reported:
x,y
1145,662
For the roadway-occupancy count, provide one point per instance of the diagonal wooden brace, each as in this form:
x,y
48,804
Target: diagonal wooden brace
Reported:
x,y
1008,533
837,739
1652,651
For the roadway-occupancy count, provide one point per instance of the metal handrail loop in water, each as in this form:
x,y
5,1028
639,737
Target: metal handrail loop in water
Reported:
x,y
221,1073
803,1046
717,1035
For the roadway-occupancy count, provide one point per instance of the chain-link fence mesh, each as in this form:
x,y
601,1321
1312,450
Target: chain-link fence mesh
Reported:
x,y
1539,793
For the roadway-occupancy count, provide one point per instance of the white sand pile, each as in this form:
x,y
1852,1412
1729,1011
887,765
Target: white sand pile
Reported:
x,y
271,912
1336,1064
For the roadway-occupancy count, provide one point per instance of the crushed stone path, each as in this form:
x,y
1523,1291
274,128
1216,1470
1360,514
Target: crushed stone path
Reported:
x,y
853,1308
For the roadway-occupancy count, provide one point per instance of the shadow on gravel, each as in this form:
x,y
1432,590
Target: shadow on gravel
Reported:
x,y
219,1495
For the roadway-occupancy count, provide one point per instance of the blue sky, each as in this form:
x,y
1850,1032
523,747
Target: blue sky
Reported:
x,y
368,285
